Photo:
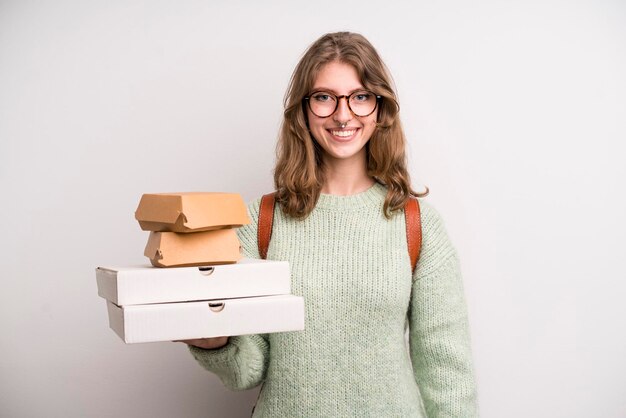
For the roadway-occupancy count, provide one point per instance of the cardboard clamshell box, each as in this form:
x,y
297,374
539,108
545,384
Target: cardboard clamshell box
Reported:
x,y
147,285
170,249
191,211
204,319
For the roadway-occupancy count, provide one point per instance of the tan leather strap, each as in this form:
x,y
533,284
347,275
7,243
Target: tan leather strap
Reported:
x,y
413,230
412,219
266,219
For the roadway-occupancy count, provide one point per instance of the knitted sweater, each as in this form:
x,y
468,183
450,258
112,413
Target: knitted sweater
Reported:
x,y
352,266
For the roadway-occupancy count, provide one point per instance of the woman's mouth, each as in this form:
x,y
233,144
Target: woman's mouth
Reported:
x,y
343,134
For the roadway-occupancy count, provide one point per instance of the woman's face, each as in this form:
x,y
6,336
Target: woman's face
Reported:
x,y
341,143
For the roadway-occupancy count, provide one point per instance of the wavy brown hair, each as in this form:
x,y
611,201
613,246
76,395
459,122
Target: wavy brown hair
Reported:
x,y
299,173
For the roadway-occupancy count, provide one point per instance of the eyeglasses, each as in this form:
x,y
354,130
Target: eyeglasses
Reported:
x,y
361,103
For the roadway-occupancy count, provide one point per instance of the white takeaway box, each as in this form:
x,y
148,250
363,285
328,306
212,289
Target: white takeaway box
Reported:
x,y
146,284
181,321
147,303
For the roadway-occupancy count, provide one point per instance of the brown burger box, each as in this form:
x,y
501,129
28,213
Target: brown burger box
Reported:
x,y
191,211
171,249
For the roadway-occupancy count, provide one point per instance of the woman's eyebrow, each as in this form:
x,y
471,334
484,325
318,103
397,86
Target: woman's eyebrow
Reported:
x,y
316,89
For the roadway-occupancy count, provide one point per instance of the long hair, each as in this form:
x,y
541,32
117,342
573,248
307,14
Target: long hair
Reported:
x,y
299,173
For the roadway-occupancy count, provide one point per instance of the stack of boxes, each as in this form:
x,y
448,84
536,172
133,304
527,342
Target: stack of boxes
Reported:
x,y
208,290
191,229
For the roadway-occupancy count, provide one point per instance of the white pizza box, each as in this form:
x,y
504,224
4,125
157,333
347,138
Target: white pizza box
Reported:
x,y
203,319
147,284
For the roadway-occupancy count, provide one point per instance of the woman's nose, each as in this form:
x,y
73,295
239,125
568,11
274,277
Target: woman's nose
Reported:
x,y
343,113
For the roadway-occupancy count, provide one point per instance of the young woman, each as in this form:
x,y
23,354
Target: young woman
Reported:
x,y
342,184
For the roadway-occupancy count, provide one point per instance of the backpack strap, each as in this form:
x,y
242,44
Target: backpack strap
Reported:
x,y
412,220
266,219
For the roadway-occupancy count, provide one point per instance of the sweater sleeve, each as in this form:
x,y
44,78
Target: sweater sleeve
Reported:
x,y
439,337
242,363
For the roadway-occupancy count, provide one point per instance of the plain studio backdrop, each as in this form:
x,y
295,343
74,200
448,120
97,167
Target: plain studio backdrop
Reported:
x,y
515,117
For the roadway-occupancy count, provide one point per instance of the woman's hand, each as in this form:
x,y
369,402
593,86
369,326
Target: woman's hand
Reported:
x,y
207,343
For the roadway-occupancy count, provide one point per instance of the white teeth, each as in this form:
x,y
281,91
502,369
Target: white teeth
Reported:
x,y
343,133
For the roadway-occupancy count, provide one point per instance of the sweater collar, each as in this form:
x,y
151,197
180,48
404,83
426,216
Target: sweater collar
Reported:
x,y
373,196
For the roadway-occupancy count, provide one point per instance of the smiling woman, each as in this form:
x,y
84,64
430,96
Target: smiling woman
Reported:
x,y
316,147
342,222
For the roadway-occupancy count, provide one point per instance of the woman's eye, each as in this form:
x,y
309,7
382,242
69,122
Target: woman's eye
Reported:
x,y
322,97
362,97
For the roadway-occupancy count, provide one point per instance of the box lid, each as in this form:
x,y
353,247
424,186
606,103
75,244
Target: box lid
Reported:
x,y
136,285
191,211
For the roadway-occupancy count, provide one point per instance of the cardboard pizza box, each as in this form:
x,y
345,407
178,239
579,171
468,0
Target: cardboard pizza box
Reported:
x,y
203,319
136,285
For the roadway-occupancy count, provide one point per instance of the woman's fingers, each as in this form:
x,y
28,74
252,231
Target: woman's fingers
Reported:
x,y
206,343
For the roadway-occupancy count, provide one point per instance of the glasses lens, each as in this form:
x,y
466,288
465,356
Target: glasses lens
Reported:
x,y
362,103
323,104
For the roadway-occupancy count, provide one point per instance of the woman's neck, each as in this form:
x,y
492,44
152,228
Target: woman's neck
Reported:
x,y
346,177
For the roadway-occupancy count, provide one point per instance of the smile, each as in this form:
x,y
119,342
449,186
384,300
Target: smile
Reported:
x,y
343,133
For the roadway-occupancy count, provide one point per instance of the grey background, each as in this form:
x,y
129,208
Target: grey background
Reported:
x,y
514,111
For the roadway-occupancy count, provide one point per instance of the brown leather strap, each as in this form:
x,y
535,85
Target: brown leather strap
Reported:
x,y
413,230
266,219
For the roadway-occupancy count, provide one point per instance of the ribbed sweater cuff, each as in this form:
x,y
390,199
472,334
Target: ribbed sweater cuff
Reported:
x,y
240,364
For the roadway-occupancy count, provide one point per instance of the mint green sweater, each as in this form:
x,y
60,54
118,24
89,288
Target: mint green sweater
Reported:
x,y
352,266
